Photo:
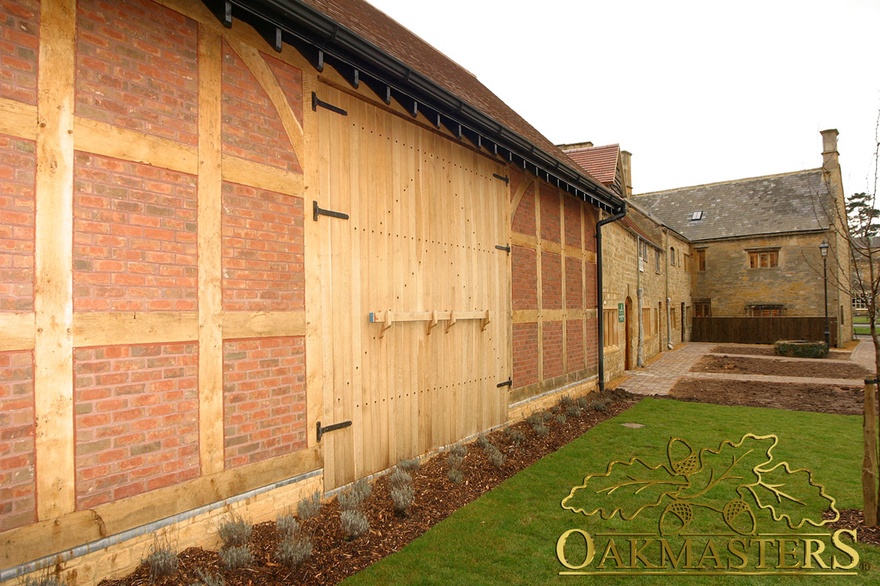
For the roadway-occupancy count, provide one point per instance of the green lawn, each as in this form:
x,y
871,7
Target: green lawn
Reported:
x,y
509,535
860,325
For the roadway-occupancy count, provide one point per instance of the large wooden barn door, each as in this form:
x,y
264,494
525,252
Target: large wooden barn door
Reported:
x,y
415,292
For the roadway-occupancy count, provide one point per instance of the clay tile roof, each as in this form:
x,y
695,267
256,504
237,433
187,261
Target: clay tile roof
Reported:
x,y
378,28
600,162
775,204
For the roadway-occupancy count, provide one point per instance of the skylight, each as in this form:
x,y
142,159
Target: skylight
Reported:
x,y
696,216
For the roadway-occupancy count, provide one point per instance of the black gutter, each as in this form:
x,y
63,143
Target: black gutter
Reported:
x,y
600,302
319,30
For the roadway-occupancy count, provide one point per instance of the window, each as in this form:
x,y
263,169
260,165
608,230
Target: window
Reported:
x,y
768,310
859,303
672,255
643,255
646,322
673,319
657,267
701,259
763,259
703,308
696,216
610,333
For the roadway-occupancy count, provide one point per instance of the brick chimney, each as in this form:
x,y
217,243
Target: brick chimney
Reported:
x,y
626,165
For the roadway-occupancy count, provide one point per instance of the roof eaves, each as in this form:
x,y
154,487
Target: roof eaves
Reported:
x,y
318,29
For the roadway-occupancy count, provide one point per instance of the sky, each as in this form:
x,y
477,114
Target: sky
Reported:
x,y
698,92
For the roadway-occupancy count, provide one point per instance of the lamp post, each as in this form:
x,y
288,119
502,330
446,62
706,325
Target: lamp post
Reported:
x,y
823,248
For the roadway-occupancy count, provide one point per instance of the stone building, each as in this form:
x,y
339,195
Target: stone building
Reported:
x,y
755,243
645,278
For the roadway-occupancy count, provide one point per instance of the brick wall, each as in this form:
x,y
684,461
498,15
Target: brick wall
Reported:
x,y
263,250
291,82
19,46
574,336
525,354
264,398
137,413
553,350
251,126
574,284
550,217
550,264
572,211
17,168
524,267
134,239
137,68
17,488
524,214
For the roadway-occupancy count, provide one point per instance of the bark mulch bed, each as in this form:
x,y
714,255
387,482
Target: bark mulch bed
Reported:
x,y
436,497
766,350
843,400
808,368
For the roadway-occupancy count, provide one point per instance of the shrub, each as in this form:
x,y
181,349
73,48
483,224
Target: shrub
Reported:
x,y
399,478
236,557
482,441
561,418
162,560
456,455
309,506
537,421
583,403
402,497
598,405
496,458
801,349
355,496
354,523
209,579
410,465
455,475
565,402
235,532
292,552
287,526
515,436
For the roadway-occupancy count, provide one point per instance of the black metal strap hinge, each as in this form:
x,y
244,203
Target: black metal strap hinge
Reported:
x,y
319,102
507,383
317,211
334,427
504,178
502,247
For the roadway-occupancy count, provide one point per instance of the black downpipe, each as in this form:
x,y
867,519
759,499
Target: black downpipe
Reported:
x,y
599,297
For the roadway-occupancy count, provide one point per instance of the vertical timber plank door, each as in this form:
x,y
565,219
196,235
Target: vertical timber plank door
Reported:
x,y
419,246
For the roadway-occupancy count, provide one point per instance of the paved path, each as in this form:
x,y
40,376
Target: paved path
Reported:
x,y
661,375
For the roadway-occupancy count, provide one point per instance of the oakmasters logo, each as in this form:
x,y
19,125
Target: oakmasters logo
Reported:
x,y
728,511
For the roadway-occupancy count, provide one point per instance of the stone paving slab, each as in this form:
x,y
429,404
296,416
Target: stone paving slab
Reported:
x,y
662,374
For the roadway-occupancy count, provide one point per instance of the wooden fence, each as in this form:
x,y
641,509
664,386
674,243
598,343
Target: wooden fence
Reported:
x,y
761,330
